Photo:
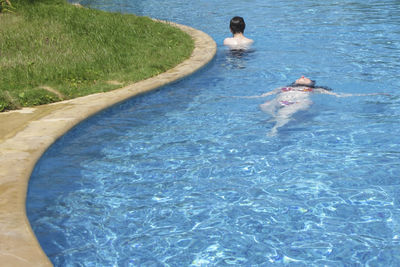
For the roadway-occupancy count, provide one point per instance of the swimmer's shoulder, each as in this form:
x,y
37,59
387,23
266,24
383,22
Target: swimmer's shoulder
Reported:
x,y
248,40
231,41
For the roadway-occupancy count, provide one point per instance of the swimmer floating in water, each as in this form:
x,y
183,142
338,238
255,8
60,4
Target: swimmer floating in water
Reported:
x,y
238,41
293,98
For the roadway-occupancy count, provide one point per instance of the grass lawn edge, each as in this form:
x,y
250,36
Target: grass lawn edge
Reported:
x,y
53,51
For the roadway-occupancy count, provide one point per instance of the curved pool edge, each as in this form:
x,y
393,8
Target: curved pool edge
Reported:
x,y
26,134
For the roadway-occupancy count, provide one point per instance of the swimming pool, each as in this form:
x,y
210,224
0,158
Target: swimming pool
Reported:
x,y
188,176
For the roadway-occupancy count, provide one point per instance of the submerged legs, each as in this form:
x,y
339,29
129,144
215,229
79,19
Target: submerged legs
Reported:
x,y
282,113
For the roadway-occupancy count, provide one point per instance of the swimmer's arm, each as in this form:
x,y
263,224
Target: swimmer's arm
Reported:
x,y
323,91
326,92
273,92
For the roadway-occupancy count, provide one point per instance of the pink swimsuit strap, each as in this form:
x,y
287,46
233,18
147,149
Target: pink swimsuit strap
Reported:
x,y
287,89
286,103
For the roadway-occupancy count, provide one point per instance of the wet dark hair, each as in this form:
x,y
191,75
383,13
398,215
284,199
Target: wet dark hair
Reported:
x,y
237,25
312,85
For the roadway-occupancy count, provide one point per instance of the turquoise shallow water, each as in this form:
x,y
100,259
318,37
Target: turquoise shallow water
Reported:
x,y
187,175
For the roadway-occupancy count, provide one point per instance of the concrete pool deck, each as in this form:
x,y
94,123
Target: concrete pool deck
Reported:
x,y
27,133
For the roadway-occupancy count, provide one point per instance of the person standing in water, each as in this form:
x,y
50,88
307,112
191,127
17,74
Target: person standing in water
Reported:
x,y
293,98
238,41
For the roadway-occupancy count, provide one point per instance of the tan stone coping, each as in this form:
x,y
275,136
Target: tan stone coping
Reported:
x,y
26,134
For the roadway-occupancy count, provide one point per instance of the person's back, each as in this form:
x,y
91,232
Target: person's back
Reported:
x,y
237,26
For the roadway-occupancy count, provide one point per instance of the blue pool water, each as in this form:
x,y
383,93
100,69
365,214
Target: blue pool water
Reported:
x,y
187,176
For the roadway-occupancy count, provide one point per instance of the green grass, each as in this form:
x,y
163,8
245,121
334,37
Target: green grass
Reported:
x,y
78,51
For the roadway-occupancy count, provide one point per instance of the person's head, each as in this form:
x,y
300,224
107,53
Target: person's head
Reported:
x,y
237,25
304,81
